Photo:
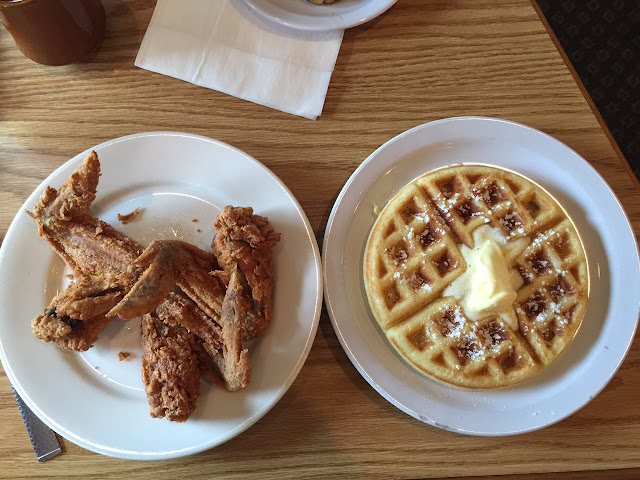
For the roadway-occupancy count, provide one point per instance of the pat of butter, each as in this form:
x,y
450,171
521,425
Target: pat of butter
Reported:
x,y
487,287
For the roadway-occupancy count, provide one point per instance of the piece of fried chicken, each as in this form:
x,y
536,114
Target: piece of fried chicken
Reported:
x,y
101,260
175,266
170,370
246,240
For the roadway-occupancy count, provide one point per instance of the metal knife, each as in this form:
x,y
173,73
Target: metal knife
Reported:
x,y
44,441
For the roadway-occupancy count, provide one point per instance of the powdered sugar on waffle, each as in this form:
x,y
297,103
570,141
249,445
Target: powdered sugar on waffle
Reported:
x,y
492,341
422,216
456,326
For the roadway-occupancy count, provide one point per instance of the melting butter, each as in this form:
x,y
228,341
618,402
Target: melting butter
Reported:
x,y
488,287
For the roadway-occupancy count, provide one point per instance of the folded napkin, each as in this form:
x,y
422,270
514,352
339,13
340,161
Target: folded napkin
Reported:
x,y
224,45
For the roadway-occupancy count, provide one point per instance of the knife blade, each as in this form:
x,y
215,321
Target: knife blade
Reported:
x,y
44,441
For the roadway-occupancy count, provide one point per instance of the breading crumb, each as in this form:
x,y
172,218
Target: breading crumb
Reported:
x,y
123,355
130,217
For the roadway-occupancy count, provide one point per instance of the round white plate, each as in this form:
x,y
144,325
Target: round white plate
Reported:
x,y
93,399
303,15
612,313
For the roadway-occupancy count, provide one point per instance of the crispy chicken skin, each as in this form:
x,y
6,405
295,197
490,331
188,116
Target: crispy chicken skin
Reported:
x,y
223,359
76,316
169,263
245,239
235,306
170,371
101,260
174,268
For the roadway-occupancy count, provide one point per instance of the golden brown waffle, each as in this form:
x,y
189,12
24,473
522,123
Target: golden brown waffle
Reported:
x,y
553,299
410,258
470,196
413,254
442,343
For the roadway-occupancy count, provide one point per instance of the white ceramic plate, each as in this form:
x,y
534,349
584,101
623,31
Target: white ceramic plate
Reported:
x,y
608,327
303,15
176,178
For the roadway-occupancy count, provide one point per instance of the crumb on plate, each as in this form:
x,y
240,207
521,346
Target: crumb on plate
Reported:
x,y
123,355
131,216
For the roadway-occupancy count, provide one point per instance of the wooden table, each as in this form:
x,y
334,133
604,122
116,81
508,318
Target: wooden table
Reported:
x,y
423,60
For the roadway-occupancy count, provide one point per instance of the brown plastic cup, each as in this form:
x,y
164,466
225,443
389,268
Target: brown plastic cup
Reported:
x,y
54,32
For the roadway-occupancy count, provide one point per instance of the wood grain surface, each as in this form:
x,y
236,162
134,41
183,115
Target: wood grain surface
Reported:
x,y
421,61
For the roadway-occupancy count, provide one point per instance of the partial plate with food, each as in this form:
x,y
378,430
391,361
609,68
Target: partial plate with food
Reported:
x,y
307,15
180,182
610,320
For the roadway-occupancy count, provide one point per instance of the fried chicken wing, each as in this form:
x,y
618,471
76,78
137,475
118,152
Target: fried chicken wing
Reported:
x,y
224,364
245,239
177,269
170,370
101,260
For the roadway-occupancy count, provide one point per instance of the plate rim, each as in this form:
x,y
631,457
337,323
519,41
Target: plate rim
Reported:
x,y
149,456
330,305
323,26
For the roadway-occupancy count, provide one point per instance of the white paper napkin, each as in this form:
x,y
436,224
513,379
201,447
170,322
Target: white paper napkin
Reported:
x,y
224,45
